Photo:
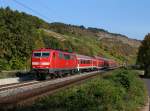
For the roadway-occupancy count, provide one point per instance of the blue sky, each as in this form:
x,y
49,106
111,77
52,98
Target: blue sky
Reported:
x,y
128,17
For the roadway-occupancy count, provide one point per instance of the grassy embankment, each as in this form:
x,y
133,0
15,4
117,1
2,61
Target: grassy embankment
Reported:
x,y
121,90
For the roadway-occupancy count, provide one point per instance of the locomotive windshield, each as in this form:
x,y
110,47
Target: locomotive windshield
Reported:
x,y
45,54
41,54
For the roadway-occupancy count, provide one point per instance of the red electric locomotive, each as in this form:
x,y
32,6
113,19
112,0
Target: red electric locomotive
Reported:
x,y
49,61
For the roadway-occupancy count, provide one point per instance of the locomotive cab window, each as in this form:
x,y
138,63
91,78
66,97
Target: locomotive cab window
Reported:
x,y
37,54
45,54
41,54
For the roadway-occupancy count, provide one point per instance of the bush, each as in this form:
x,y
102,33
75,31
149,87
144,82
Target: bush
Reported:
x,y
134,87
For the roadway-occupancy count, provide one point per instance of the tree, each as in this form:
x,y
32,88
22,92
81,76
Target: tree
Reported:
x,y
18,33
144,55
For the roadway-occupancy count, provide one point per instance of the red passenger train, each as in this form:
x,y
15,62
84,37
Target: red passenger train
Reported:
x,y
58,63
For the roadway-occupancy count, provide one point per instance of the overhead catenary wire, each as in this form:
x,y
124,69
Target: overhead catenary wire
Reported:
x,y
45,6
33,10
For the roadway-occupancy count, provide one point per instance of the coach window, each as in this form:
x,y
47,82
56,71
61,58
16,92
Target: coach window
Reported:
x,y
90,61
87,61
81,61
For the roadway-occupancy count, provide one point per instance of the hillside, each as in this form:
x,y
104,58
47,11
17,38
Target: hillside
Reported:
x,y
20,33
107,44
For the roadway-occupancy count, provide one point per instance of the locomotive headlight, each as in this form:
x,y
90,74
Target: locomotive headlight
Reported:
x,y
40,63
35,63
45,63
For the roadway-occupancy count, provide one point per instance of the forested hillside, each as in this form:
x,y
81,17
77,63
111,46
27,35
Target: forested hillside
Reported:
x,y
20,33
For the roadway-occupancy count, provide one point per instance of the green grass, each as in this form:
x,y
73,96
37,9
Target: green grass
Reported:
x,y
120,90
7,74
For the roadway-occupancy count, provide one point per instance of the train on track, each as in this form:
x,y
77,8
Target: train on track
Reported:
x,y
56,63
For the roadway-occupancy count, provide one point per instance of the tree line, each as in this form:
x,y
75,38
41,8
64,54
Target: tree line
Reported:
x,y
143,58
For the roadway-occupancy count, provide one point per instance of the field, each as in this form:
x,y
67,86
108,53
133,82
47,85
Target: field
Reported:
x,y
120,90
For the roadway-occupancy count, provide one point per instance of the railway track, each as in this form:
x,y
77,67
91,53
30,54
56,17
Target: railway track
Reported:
x,y
17,94
14,85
